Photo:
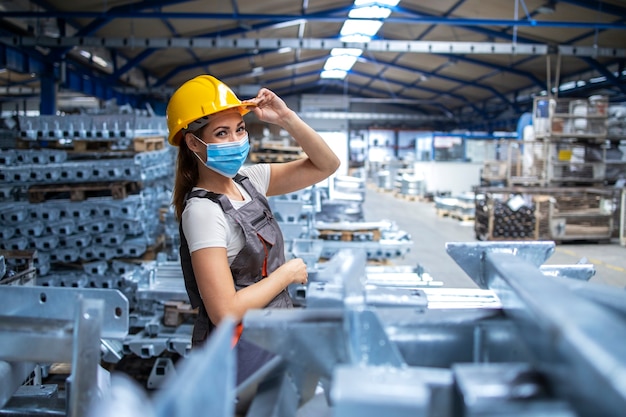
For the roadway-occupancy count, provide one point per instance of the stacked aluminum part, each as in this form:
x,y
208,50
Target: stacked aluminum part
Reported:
x,y
323,220
92,231
41,326
120,128
99,229
526,343
43,166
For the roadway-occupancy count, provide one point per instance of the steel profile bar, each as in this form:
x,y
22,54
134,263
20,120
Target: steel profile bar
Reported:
x,y
591,51
56,303
570,335
312,17
311,338
83,382
581,272
470,255
213,367
605,295
403,46
13,375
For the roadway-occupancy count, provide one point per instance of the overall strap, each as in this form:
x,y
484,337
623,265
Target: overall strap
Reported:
x,y
220,199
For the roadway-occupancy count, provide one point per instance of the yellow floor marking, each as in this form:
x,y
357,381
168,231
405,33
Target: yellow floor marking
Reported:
x,y
616,268
567,251
596,262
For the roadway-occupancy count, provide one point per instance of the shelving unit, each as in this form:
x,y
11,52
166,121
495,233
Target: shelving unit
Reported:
x,y
546,213
571,161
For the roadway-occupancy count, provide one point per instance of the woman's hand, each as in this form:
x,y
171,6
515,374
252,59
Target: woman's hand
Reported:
x,y
268,107
296,270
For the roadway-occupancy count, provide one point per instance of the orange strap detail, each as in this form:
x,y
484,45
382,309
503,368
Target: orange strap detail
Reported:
x,y
264,271
237,334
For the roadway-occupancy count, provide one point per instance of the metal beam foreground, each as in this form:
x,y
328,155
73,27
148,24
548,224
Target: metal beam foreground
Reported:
x,y
358,348
533,340
43,325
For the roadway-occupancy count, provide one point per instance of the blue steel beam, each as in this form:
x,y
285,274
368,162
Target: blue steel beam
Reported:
x,y
417,86
192,65
611,79
317,83
310,17
598,6
291,18
421,16
321,59
335,87
83,81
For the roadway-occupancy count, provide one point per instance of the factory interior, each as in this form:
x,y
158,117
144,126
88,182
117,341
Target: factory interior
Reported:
x,y
467,258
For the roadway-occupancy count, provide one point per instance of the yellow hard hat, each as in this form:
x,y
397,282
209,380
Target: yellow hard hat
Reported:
x,y
197,98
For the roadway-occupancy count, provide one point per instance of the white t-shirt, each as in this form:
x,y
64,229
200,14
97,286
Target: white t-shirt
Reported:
x,y
206,226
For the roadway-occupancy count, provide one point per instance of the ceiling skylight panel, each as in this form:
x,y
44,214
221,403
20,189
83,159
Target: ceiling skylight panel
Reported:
x,y
359,30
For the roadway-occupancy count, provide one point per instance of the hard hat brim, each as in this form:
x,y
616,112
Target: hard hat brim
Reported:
x,y
243,109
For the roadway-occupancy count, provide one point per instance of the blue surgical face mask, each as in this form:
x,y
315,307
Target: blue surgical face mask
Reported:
x,y
226,158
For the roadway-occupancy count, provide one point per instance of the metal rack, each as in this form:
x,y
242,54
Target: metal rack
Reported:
x,y
546,213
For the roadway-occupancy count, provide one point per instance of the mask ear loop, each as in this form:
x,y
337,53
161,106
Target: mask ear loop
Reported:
x,y
202,142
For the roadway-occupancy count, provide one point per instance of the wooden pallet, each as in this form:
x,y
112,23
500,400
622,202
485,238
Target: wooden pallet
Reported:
x,y
463,217
176,312
384,190
349,235
409,197
151,251
269,157
149,143
102,145
82,191
443,212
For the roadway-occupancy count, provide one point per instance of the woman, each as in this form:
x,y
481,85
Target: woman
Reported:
x,y
232,251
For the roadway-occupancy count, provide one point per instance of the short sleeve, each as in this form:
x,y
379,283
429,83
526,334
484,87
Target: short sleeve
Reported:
x,y
204,224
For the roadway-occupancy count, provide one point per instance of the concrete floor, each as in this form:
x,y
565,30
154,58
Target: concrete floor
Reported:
x,y
430,233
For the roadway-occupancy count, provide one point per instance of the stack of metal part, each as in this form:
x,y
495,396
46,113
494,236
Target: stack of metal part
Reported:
x,y
92,229
119,128
533,340
24,167
307,219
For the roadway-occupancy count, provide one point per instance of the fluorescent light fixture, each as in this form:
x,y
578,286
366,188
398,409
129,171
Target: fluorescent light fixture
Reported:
x,y
95,58
100,61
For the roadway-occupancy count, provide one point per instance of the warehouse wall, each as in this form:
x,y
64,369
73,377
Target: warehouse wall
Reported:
x,y
456,177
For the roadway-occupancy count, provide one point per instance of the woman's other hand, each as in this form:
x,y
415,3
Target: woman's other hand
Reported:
x,y
296,269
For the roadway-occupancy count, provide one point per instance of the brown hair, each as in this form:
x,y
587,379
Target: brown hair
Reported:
x,y
186,177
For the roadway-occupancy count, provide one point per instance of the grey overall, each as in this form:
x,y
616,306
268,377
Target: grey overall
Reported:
x,y
262,253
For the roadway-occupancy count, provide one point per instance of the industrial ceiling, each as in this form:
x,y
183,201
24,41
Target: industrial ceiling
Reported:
x,y
463,63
